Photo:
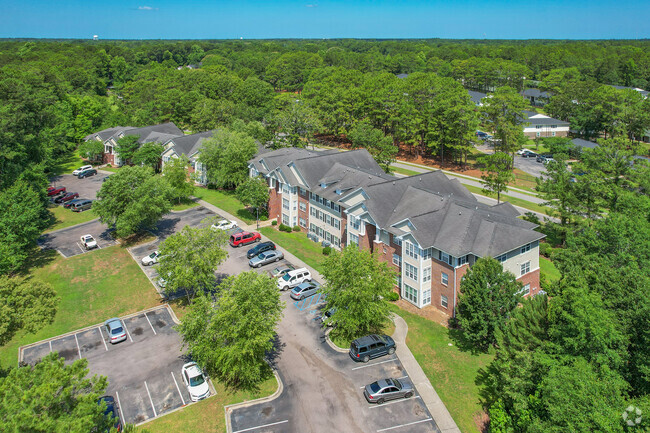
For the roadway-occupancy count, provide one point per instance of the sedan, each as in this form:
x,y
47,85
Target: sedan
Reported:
x,y
305,290
195,381
224,225
151,259
387,389
280,271
115,329
528,154
111,411
265,258
66,197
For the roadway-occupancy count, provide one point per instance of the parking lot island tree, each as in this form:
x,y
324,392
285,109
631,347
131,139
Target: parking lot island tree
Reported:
x,y
229,334
225,156
189,258
175,173
253,192
497,173
133,199
51,396
356,283
25,304
488,296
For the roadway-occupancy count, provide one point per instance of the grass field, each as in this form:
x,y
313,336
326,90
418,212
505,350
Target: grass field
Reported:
x,y
548,269
452,371
297,243
344,343
404,171
227,201
207,416
69,163
184,204
515,201
92,287
62,217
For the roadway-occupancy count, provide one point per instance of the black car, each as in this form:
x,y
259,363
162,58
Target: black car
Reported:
x,y
111,411
260,248
86,173
543,158
70,204
371,346
528,154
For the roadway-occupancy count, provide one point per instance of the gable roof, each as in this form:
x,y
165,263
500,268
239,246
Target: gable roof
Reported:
x,y
535,93
107,133
641,91
476,96
159,133
534,118
188,145
314,167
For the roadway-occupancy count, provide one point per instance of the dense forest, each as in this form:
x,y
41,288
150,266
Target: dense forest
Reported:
x,y
569,362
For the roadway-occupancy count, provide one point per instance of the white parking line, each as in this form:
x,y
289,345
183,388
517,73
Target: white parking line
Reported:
x,y
261,426
147,317
119,405
371,365
399,378
78,350
82,250
179,390
404,425
50,345
103,341
127,331
394,401
150,400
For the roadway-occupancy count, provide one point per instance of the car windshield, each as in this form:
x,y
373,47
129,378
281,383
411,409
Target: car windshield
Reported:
x,y
152,255
117,330
197,380
374,387
286,277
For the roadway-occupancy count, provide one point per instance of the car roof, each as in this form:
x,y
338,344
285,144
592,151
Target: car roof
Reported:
x,y
192,369
113,322
368,339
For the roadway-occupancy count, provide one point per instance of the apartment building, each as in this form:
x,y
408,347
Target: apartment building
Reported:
x,y
190,146
538,125
430,229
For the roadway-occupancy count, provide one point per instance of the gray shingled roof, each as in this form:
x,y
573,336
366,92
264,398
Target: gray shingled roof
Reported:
x,y
341,179
313,168
189,144
535,93
159,133
641,91
476,96
543,120
107,133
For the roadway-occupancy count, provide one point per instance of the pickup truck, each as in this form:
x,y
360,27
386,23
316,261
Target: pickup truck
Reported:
x,y
88,242
55,190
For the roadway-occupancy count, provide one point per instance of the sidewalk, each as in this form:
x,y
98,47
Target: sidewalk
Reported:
x,y
436,407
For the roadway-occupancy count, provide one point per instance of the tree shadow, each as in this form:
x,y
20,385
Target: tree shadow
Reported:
x,y
37,258
457,335
274,353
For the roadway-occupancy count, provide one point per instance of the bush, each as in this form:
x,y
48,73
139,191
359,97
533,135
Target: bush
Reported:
x,y
274,222
296,228
327,251
392,296
285,228
545,249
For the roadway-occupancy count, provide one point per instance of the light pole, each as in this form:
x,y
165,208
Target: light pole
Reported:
x,y
257,209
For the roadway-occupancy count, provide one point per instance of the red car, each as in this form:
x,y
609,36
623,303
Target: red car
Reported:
x,y
66,197
244,238
55,190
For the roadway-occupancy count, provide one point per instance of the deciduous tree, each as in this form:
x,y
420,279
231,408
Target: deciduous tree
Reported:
x,y
127,147
149,155
380,146
176,174
253,192
226,157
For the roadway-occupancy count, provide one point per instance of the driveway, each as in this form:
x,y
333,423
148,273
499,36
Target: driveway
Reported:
x,y
144,371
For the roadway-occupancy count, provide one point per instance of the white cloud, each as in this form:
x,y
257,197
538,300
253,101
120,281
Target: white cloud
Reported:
x,y
147,8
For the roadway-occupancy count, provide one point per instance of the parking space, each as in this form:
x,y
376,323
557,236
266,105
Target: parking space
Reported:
x,y
86,187
144,371
530,166
67,241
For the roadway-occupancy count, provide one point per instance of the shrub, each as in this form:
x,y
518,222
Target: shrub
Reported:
x,y
327,251
274,222
392,296
545,249
296,228
285,228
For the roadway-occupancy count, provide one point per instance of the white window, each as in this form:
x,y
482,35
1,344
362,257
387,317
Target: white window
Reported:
x,y
303,223
397,260
537,134
411,250
411,271
285,219
285,204
336,224
525,268
553,134
295,221
272,183
285,189
426,274
354,239
410,293
165,159
444,279
443,301
355,222
426,297
303,206
426,254
397,241
525,248
398,281
525,290
444,257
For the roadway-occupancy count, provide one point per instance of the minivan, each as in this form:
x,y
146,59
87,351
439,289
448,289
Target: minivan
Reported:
x,y
294,278
244,238
81,205
371,346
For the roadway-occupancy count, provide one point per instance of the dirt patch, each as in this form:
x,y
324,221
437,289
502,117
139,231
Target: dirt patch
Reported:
x,y
428,312
482,421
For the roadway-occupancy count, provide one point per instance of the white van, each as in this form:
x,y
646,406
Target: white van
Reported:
x,y
82,168
294,278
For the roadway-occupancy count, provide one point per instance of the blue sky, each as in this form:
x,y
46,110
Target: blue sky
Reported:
x,y
248,19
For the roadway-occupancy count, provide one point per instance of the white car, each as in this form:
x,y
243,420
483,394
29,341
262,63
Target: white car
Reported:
x,y
89,242
82,168
224,225
195,381
151,259
521,151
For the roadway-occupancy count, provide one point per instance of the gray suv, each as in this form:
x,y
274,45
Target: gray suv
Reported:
x,y
371,346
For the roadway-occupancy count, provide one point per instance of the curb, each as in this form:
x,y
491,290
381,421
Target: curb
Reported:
x,y
231,407
70,227
331,343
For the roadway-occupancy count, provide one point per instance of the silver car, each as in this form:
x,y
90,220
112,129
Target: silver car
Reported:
x,y
387,389
305,290
115,329
265,258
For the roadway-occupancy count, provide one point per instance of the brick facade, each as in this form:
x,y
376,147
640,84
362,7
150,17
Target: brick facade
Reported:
x,y
531,278
275,204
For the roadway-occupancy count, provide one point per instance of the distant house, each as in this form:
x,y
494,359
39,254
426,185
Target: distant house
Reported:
x,y
190,146
539,125
536,97
476,97
162,134
644,93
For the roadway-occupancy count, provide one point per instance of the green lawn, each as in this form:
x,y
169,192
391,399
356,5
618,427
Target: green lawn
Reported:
x,y
184,204
92,287
515,201
297,243
548,269
111,169
62,217
69,163
452,371
227,201
404,171
207,416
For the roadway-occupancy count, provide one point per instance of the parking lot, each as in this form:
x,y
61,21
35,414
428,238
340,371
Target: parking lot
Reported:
x,y
67,241
323,388
86,187
144,371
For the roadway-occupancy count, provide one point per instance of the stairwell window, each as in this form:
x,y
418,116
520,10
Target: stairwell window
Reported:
x,y
397,260
285,204
354,239
443,301
525,268
411,250
410,293
411,271
444,278
426,275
